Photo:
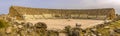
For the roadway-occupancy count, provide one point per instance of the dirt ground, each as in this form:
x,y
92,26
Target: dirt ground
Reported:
x,y
59,24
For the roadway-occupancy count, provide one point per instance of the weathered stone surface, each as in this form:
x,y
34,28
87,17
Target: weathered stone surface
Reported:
x,y
117,30
35,13
20,26
40,25
9,30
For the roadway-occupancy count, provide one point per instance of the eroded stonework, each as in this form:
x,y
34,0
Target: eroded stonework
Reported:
x,y
26,13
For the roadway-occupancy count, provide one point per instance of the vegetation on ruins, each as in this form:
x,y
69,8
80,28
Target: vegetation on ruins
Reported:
x,y
40,28
3,23
106,29
68,30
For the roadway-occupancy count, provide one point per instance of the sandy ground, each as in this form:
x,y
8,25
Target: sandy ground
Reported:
x,y
61,23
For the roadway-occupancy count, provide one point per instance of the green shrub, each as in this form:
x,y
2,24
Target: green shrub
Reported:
x,y
3,23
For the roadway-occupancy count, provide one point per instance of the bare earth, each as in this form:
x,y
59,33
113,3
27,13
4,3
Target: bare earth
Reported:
x,y
61,23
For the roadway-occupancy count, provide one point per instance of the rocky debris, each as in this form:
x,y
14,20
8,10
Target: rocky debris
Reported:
x,y
29,25
52,33
40,29
25,29
78,25
8,30
40,25
72,31
117,30
20,26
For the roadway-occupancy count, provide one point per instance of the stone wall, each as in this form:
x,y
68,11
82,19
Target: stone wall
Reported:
x,y
18,11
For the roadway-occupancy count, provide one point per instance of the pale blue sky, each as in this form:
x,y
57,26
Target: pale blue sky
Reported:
x,y
65,4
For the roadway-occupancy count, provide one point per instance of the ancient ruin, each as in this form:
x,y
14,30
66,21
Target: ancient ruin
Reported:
x,y
27,13
60,22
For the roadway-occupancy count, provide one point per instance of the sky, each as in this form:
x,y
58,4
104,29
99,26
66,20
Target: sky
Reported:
x,y
60,4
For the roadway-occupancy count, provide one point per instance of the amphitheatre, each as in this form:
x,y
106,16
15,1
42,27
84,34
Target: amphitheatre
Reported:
x,y
59,18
